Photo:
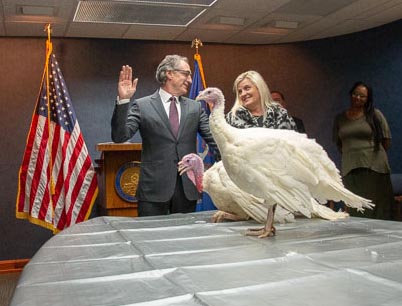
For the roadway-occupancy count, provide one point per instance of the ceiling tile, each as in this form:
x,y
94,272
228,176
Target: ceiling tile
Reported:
x,y
347,27
359,9
313,7
386,14
270,21
253,38
256,5
314,28
31,28
155,33
99,30
1,12
62,9
209,18
206,35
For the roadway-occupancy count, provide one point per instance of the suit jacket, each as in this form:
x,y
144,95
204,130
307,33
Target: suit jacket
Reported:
x,y
161,151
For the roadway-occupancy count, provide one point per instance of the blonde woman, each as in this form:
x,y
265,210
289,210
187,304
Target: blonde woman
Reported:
x,y
254,106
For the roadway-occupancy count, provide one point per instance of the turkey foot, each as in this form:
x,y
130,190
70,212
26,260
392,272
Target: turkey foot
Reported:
x,y
220,216
268,230
261,232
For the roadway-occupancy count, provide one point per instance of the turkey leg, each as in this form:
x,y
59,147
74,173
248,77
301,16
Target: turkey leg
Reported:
x,y
268,230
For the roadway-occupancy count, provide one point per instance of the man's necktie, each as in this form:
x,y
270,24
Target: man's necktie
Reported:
x,y
174,116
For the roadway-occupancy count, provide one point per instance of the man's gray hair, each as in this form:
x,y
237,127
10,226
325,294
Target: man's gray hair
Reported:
x,y
170,62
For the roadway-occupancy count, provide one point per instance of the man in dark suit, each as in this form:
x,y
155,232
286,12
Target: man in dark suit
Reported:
x,y
278,97
161,190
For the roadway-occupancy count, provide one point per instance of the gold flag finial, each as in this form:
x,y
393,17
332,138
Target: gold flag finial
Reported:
x,y
196,43
48,29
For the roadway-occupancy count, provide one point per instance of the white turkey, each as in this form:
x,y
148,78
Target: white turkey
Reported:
x,y
280,166
234,203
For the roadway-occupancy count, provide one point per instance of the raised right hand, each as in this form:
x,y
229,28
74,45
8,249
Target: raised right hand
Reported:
x,y
126,87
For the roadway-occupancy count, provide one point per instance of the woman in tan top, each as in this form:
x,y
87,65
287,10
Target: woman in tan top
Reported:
x,y
363,136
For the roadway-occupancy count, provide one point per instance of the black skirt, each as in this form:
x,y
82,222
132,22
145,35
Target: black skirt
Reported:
x,y
374,186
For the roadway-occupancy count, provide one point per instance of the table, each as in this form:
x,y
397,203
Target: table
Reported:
x,y
183,259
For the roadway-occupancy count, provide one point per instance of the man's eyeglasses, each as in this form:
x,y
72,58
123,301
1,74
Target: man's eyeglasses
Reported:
x,y
186,73
356,94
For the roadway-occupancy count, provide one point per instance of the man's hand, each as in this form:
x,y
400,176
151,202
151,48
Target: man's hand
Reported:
x,y
126,87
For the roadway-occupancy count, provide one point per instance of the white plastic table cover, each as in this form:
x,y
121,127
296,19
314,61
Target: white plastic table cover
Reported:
x,y
183,259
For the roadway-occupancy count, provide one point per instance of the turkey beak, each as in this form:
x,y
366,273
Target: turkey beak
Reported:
x,y
182,168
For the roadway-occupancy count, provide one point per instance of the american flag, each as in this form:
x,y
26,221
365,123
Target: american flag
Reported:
x,y
55,146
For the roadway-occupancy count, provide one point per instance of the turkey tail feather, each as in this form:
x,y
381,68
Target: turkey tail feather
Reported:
x,y
326,212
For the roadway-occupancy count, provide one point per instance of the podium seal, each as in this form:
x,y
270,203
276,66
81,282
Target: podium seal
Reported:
x,y
127,180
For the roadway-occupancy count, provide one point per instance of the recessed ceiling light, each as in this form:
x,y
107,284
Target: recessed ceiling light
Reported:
x,y
285,24
36,10
230,20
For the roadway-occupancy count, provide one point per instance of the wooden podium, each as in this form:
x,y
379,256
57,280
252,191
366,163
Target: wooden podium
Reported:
x,y
118,169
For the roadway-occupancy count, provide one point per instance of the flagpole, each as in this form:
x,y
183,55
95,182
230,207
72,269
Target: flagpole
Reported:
x,y
49,50
199,84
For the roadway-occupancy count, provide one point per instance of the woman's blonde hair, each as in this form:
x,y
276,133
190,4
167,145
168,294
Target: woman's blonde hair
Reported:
x,y
261,85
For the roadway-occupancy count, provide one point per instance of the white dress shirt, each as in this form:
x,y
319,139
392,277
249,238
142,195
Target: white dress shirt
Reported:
x,y
165,97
